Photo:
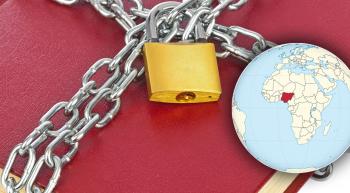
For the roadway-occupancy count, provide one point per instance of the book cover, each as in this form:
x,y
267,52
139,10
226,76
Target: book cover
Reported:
x,y
2,2
149,147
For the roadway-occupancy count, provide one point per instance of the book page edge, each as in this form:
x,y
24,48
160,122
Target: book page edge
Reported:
x,y
279,182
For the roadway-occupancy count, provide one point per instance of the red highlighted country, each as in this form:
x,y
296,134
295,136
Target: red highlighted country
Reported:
x,y
286,96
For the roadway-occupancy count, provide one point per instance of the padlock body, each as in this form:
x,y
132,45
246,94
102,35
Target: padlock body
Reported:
x,y
182,72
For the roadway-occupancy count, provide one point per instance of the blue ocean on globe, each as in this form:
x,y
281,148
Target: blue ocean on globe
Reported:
x,y
268,132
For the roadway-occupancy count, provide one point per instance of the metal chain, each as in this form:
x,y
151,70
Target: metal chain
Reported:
x,y
73,130
199,16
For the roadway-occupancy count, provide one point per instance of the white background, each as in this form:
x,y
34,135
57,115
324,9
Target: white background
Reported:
x,y
338,182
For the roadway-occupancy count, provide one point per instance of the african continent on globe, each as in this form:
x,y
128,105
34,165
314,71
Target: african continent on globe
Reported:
x,y
290,106
304,80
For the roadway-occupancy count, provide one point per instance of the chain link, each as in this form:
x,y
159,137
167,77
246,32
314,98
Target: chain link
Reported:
x,y
163,24
75,128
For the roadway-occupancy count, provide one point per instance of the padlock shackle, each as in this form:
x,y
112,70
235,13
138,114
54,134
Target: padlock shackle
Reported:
x,y
151,21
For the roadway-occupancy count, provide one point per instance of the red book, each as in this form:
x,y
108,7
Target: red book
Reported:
x,y
45,49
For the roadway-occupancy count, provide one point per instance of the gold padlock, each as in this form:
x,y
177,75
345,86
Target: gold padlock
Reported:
x,y
179,72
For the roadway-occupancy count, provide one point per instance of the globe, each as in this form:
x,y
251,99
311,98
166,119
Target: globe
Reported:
x,y
291,108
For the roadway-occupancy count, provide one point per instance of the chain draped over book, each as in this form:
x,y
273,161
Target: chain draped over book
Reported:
x,y
122,73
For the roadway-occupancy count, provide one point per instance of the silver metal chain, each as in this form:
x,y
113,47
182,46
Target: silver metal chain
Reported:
x,y
167,18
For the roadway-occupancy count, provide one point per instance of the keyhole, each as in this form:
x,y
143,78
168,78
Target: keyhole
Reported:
x,y
185,96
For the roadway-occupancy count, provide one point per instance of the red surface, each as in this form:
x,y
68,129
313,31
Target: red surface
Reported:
x,y
298,183
150,147
2,1
286,97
